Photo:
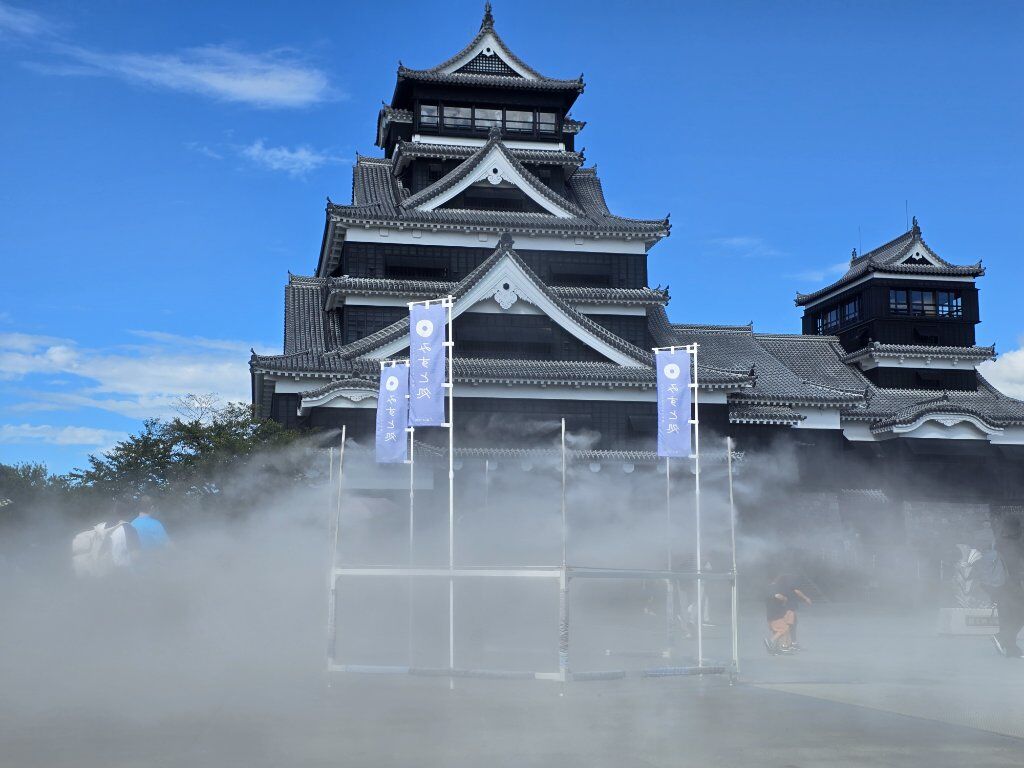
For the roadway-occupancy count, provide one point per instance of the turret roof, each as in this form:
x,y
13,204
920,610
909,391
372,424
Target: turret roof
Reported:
x,y
488,61
899,256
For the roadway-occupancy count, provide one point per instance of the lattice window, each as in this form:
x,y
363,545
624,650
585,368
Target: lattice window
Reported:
x,y
488,65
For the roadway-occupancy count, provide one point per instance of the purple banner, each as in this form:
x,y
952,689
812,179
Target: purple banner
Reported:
x,y
674,397
427,360
393,415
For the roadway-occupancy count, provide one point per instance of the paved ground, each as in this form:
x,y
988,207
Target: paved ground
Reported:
x,y
879,690
904,667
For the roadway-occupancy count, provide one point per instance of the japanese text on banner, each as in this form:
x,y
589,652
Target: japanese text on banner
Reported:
x,y
393,414
427,364
674,400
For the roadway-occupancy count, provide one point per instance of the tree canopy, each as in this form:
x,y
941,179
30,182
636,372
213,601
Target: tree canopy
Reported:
x,y
208,456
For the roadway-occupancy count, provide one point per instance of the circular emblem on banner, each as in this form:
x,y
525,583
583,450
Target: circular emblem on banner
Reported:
x,y
391,384
672,371
424,328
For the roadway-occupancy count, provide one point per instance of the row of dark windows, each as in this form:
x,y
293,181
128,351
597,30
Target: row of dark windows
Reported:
x,y
426,262
830,320
902,302
473,118
925,303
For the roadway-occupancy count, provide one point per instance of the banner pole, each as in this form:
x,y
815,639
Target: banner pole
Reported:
x,y
451,494
735,589
412,524
696,504
565,530
669,582
332,592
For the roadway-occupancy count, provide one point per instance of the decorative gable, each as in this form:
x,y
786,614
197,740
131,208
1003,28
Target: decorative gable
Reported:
x,y
507,282
919,254
493,166
488,64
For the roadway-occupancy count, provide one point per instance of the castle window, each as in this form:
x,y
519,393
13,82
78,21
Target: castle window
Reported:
x,y
517,120
486,118
828,321
922,302
546,122
457,117
851,311
428,114
949,304
925,303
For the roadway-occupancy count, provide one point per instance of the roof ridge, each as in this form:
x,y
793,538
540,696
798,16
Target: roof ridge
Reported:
x,y
505,243
457,175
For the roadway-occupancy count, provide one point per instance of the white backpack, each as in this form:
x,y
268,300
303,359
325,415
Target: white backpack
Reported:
x,y
102,548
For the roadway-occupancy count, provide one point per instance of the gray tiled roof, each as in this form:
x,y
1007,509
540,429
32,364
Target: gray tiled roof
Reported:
x,y
401,328
494,141
378,200
536,79
786,369
488,80
877,350
886,407
887,258
387,115
307,327
378,286
459,152
744,413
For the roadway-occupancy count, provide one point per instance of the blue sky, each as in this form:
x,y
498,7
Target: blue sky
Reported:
x,y
166,163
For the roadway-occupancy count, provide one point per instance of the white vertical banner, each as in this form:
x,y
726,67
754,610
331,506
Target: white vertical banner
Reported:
x,y
393,413
427,359
674,402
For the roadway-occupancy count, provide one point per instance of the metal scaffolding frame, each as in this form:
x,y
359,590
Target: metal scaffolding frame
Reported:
x,y
564,574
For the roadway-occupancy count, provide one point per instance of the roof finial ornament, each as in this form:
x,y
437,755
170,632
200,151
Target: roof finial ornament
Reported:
x,y
914,226
853,255
488,22
505,242
494,132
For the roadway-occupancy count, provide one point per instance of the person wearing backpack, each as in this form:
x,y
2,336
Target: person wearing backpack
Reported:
x,y
1009,597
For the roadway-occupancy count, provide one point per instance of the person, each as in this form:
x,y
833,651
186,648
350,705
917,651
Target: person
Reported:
x,y
789,586
152,534
105,549
1009,597
780,619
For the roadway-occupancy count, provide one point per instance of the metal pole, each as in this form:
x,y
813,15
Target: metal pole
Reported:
x,y
735,588
450,346
563,586
565,529
332,584
696,503
669,585
412,524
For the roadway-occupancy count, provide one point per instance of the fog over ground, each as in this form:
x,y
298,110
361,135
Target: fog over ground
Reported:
x,y
215,652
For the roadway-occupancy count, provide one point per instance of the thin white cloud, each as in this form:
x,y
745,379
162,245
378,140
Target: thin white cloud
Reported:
x,y
58,435
1006,372
269,79
746,246
826,273
138,381
22,23
204,150
294,162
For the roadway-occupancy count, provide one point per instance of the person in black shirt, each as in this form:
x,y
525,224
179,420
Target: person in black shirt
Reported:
x,y
789,586
780,619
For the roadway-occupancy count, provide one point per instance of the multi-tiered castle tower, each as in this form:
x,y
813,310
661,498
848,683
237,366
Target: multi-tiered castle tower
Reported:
x,y
482,194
